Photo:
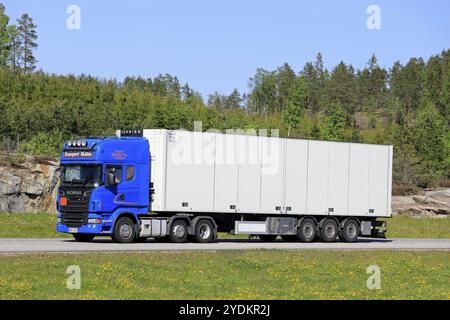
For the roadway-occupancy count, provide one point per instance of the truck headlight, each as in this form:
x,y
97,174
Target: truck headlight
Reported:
x,y
94,221
58,220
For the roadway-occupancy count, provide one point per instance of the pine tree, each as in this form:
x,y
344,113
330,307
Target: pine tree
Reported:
x,y
285,78
429,136
15,43
342,87
28,36
336,122
296,103
4,37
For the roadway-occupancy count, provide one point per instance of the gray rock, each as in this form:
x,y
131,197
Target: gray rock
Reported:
x,y
27,184
432,203
9,183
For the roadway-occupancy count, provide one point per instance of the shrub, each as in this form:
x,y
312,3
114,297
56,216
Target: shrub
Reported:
x,y
44,144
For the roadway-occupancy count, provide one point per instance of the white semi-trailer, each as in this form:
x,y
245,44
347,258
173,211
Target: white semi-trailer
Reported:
x,y
181,185
272,186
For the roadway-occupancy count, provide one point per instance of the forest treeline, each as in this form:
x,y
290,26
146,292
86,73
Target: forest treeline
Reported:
x,y
407,105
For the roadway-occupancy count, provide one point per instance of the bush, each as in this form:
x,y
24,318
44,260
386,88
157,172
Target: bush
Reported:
x,y
44,144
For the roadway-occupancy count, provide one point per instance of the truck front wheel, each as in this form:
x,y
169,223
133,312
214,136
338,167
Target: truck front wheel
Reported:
x,y
178,231
82,237
124,231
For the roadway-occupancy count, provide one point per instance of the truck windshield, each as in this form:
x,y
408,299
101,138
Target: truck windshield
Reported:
x,y
86,175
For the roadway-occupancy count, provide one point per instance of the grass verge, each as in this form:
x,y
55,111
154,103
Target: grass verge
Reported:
x,y
262,274
26,225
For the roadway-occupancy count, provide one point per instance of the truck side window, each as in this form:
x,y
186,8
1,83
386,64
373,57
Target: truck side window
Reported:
x,y
117,171
130,173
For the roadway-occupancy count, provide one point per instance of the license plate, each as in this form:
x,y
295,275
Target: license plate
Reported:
x,y
73,230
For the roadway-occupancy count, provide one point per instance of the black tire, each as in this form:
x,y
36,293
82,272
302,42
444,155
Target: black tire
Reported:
x,y
124,231
268,237
350,231
178,231
329,231
289,238
204,231
82,237
307,231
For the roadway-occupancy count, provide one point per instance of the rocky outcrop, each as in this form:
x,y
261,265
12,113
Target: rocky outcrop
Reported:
x,y
27,184
432,203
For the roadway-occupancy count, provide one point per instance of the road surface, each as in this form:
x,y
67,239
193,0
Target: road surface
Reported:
x,y
106,245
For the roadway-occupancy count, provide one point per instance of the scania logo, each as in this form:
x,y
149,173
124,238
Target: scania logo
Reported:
x,y
74,193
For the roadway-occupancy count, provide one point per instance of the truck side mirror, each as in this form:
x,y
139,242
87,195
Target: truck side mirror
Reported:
x,y
110,181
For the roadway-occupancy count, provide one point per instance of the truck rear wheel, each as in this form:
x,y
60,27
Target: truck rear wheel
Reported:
x,y
178,231
268,237
124,231
329,230
307,230
204,231
82,237
350,232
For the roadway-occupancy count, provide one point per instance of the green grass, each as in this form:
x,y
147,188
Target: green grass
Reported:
x,y
262,274
28,225
13,225
413,227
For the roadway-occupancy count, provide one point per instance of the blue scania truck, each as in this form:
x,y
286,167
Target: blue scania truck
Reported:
x,y
179,186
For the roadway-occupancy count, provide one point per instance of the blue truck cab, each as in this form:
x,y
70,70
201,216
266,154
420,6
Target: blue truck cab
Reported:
x,y
103,181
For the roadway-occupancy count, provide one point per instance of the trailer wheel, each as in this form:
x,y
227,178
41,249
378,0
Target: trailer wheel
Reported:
x,y
204,231
80,237
268,237
329,231
178,231
124,231
350,231
307,230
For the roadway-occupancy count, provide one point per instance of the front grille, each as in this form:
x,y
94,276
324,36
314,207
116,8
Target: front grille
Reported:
x,y
75,213
74,220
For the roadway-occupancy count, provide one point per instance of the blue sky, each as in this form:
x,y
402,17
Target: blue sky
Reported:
x,y
217,45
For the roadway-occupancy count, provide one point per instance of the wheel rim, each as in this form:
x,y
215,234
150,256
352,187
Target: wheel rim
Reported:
x,y
125,231
329,230
308,230
351,230
204,231
178,231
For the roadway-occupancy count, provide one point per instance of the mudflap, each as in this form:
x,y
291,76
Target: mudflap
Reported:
x,y
379,229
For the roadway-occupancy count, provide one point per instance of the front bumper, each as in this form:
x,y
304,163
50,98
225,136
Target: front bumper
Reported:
x,y
103,228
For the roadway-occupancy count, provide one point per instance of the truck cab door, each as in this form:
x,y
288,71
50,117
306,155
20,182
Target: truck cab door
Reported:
x,y
122,191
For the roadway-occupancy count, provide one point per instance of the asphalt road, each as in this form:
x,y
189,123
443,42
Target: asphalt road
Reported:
x,y
106,245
